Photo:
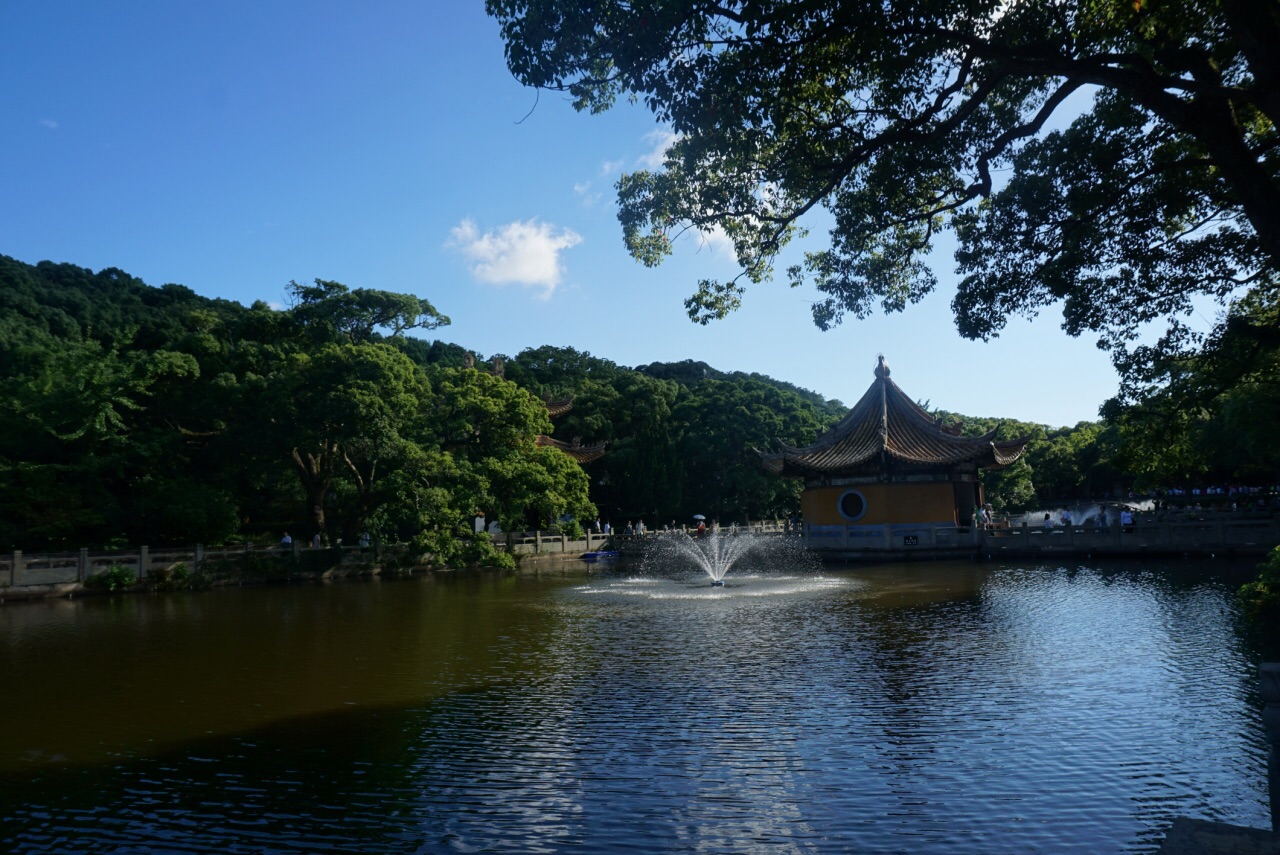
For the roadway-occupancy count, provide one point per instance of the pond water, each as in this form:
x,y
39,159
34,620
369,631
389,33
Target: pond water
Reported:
x,y
919,708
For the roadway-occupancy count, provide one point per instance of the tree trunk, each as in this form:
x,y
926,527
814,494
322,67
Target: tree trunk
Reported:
x,y
1255,24
316,474
1211,120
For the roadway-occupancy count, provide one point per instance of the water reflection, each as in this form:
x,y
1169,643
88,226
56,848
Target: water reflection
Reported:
x,y
921,708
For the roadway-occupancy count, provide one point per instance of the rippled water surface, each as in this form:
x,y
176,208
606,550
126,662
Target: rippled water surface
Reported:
x,y
948,708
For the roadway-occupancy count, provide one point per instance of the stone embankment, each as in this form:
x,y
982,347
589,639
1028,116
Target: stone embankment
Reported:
x,y
56,574
1214,535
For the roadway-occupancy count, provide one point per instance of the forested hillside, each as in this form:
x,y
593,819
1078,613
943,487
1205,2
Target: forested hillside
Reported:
x,y
151,415
139,414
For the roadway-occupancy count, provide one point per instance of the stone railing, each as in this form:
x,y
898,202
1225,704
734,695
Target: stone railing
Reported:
x,y
68,568
1243,536
1208,536
543,543
18,569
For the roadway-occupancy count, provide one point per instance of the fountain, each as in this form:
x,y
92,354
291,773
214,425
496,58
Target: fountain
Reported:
x,y
675,566
717,553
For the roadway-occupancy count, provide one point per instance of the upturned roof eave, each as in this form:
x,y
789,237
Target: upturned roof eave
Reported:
x,y
917,440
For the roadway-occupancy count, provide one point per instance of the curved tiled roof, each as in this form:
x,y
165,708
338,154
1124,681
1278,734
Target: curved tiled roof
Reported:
x,y
886,428
557,408
580,453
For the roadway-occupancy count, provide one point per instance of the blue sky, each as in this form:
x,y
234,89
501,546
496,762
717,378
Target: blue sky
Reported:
x,y
235,146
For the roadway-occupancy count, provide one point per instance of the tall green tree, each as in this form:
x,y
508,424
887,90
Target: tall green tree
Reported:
x,y
488,427
1119,158
725,424
330,310
78,447
642,473
1207,416
344,413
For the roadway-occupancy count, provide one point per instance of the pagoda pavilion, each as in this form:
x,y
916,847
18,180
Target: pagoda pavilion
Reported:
x,y
889,474
579,452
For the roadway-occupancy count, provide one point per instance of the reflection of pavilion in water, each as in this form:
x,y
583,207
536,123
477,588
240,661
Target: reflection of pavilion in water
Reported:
x,y
890,476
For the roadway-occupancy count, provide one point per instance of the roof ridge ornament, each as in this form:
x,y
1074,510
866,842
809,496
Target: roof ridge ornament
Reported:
x,y
882,367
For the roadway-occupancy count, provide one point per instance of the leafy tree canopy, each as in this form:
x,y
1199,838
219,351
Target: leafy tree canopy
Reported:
x,y
1208,417
904,119
692,373
331,309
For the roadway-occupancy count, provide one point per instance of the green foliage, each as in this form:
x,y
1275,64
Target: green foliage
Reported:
x,y
183,510
344,415
143,415
1207,416
330,311
489,427
178,577
1118,159
1082,462
1011,489
113,578
570,528
682,437
1260,599
1060,464
462,549
194,420
724,427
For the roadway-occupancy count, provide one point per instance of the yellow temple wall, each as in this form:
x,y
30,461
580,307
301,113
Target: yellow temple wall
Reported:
x,y
929,502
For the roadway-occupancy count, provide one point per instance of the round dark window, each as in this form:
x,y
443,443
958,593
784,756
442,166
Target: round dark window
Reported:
x,y
852,505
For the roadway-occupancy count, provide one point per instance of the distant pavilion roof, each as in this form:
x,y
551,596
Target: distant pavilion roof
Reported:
x,y
580,453
887,430
559,407
555,409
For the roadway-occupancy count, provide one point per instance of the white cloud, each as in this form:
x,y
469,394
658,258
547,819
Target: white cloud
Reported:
x,y
589,197
610,167
716,240
50,124
519,253
661,140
